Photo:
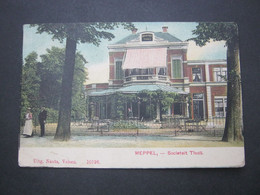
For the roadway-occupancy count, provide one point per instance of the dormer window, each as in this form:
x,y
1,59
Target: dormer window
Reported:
x,y
147,37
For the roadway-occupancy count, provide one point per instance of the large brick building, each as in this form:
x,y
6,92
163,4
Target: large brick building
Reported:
x,y
151,60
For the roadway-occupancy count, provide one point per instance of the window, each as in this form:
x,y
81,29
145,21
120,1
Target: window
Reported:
x,y
147,37
198,96
176,68
162,71
119,71
196,75
133,71
198,105
150,71
127,72
144,72
220,106
177,109
220,74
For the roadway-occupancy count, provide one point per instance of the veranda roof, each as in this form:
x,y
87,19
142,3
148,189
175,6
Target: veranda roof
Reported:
x,y
145,58
138,89
103,92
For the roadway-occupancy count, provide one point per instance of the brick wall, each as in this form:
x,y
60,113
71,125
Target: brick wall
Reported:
x,y
118,82
111,72
189,72
112,57
98,86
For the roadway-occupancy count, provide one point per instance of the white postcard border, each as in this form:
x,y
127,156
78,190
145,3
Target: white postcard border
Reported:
x,y
212,157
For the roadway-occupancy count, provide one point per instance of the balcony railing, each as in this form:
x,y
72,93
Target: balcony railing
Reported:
x,y
133,78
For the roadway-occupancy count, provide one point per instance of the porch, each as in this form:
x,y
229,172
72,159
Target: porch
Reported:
x,y
141,102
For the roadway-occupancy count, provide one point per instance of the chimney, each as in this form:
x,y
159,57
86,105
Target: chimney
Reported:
x,y
165,29
134,30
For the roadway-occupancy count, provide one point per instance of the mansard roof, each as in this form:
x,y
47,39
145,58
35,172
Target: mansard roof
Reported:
x,y
163,35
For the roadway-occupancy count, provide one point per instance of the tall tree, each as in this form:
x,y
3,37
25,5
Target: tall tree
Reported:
x,y
41,83
50,73
30,85
227,32
74,33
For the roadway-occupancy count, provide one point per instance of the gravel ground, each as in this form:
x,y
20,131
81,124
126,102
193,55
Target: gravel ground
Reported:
x,y
127,138
126,142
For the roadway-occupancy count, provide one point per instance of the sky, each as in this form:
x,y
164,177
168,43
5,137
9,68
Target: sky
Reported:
x,y
97,57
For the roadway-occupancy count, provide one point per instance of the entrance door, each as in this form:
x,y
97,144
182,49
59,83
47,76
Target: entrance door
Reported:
x,y
198,106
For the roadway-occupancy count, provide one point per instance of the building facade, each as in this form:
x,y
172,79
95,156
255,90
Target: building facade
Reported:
x,y
158,60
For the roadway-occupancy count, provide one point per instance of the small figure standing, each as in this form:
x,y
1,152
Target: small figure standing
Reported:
x,y
27,131
42,118
130,113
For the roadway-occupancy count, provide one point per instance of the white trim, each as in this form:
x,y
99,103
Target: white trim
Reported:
x,y
207,72
219,69
209,102
208,84
117,50
198,64
220,96
198,84
223,99
187,89
141,34
209,62
204,114
169,45
204,106
176,47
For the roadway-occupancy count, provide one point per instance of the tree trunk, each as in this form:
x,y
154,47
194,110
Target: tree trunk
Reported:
x,y
233,126
63,128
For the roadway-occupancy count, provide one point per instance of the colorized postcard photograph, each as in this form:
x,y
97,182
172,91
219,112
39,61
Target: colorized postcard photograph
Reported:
x,y
131,95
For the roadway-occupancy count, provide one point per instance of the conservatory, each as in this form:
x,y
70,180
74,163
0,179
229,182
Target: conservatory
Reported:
x,y
140,102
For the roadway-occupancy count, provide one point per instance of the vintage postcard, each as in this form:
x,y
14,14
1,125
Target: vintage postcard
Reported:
x,y
131,95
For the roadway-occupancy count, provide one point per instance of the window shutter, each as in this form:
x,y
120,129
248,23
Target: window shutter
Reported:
x,y
176,68
119,71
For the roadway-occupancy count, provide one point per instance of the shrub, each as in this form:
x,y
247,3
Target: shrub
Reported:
x,y
128,125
